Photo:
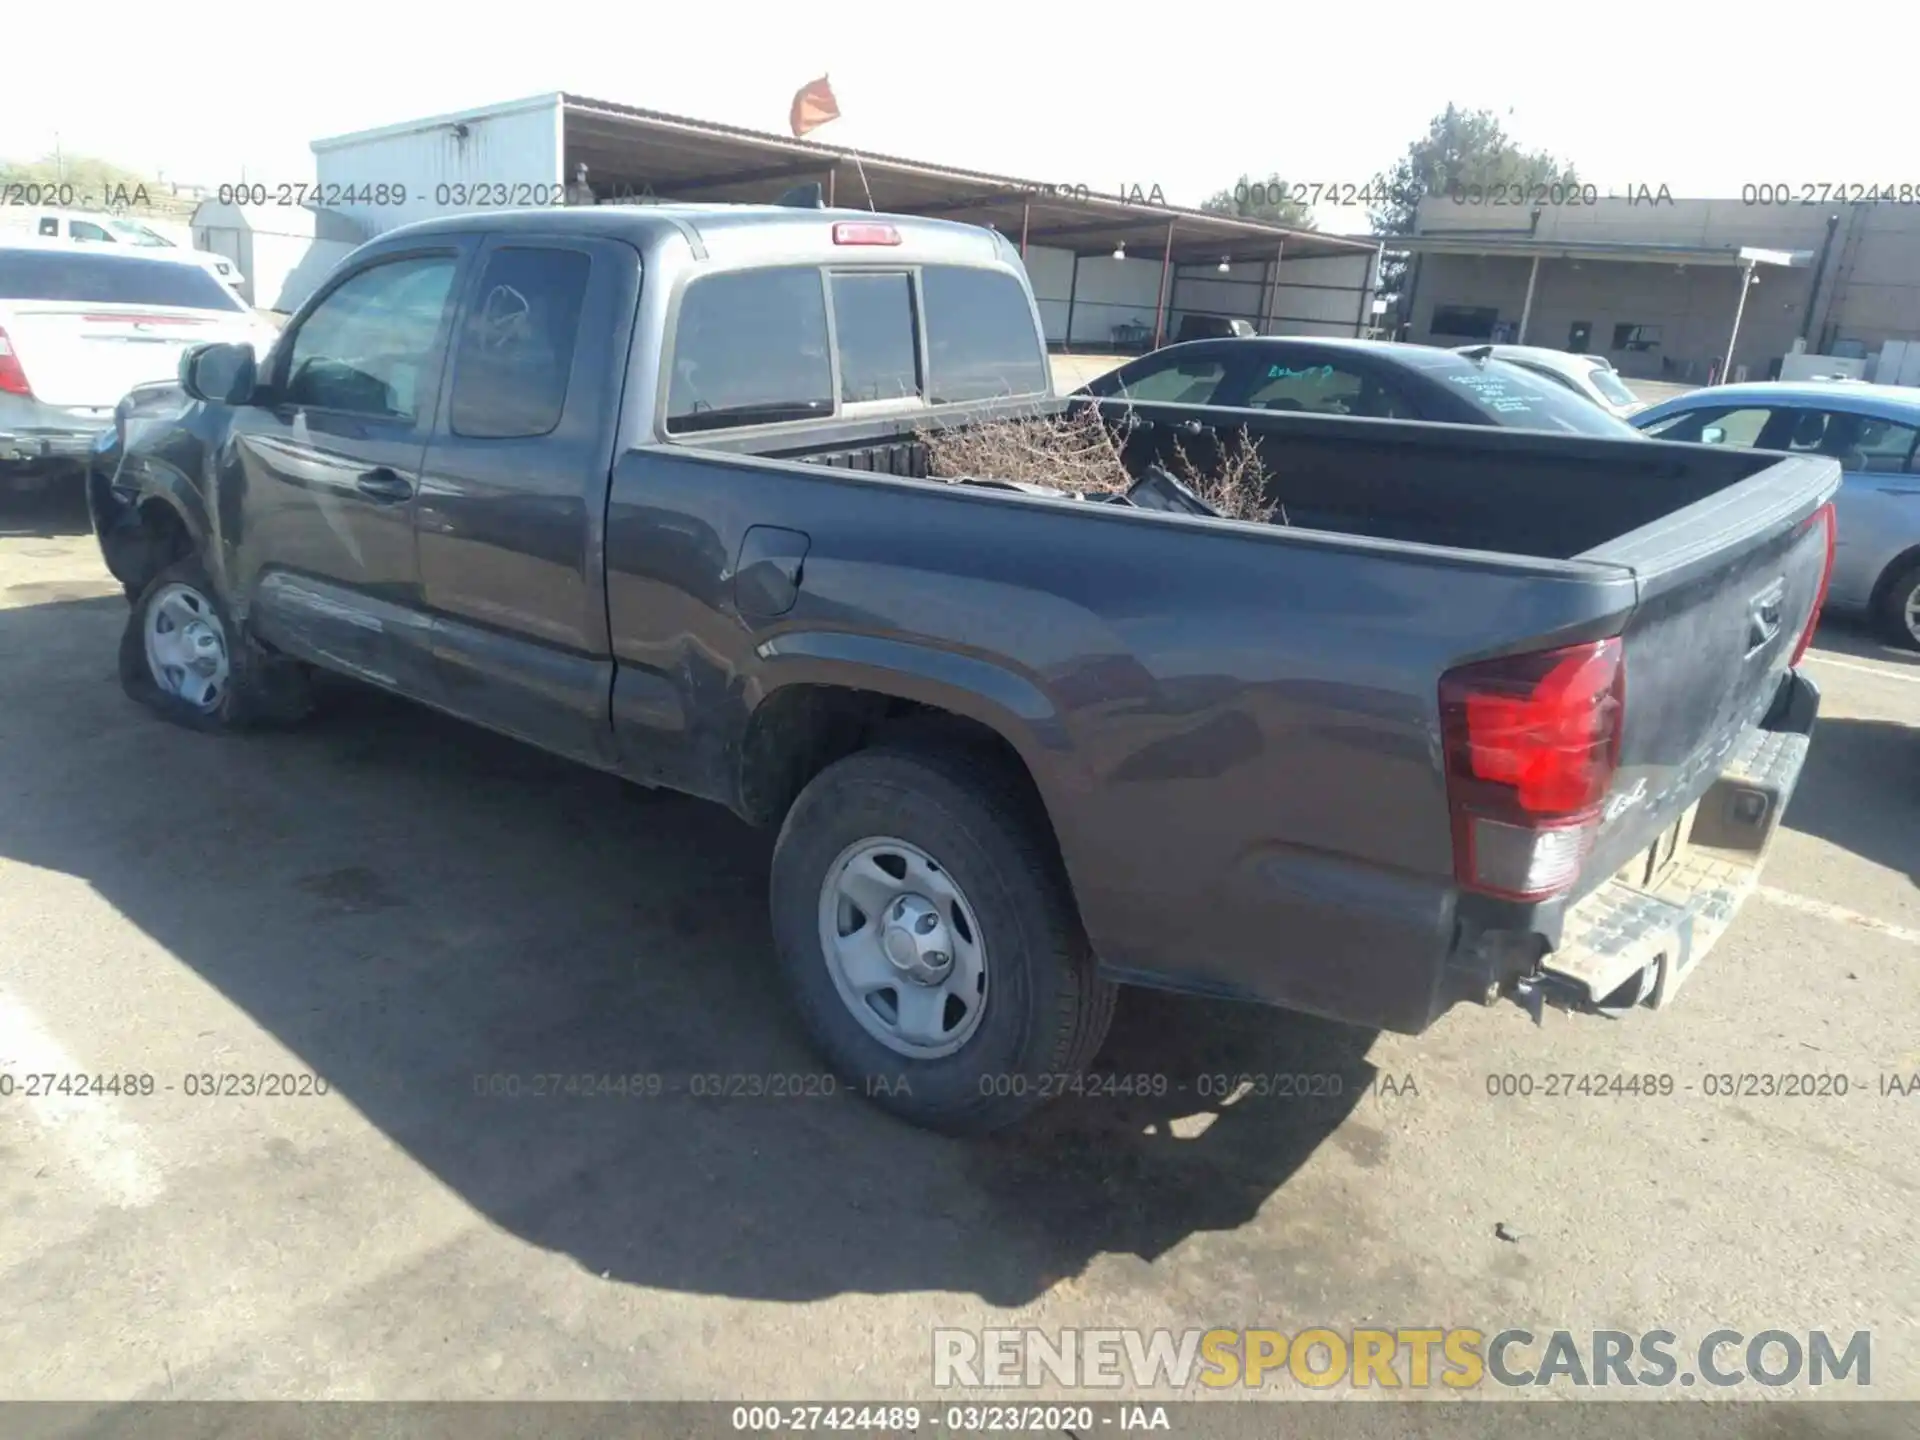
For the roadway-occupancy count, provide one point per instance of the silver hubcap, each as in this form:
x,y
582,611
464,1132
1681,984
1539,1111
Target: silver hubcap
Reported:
x,y
186,647
903,947
1911,613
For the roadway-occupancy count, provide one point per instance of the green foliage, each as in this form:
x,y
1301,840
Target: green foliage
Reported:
x,y
1461,147
1272,200
82,182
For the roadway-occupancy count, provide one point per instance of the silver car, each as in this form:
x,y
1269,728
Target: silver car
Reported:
x,y
1592,376
1872,431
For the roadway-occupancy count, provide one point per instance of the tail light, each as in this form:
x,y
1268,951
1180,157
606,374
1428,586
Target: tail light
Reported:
x,y
865,232
13,380
1824,516
1532,743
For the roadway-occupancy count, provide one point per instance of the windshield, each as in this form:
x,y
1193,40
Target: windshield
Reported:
x,y
92,278
1512,396
137,234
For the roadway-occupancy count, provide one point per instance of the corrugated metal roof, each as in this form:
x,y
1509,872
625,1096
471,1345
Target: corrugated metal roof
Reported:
x,y
631,153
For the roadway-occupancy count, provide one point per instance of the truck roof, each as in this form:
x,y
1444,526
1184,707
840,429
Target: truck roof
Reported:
x,y
734,228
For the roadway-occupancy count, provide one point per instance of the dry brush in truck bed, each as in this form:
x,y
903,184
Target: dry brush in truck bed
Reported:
x,y
1077,453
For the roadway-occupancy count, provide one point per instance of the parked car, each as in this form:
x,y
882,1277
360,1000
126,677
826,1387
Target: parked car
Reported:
x,y
80,326
1374,378
1590,376
89,227
1871,431
1212,327
647,487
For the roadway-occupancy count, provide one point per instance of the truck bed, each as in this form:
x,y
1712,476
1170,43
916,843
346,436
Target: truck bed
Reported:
x,y
1412,548
1466,487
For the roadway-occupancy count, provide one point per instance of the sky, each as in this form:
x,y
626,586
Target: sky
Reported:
x,y
1702,98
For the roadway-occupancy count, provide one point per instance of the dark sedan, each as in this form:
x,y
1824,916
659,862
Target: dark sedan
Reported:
x,y
1357,377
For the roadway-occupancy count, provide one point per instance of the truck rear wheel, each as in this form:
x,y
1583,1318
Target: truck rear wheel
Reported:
x,y
926,934
183,656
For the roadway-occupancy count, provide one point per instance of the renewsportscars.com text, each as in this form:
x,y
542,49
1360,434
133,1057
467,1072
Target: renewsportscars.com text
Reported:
x,y
1415,1358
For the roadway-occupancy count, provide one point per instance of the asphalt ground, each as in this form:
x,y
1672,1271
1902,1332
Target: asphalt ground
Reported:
x,y
407,912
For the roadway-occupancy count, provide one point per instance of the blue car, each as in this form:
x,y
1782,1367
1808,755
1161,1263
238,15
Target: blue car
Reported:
x,y
1872,431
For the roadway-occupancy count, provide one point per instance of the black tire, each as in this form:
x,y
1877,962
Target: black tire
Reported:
x,y
1046,1011
1893,607
261,689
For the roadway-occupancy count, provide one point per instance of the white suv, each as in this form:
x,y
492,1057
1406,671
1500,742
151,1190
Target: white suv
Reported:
x,y
99,228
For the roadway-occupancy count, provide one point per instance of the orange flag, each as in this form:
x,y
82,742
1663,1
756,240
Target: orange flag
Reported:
x,y
813,106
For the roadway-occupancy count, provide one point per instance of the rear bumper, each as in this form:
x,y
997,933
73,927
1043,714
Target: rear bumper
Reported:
x,y
1395,951
33,434
1629,944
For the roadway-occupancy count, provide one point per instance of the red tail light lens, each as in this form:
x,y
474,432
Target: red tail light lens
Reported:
x,y
1532,743
864,232
1824,516
13,380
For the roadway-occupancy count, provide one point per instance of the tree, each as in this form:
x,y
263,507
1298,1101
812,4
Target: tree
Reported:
x,y
1270,199
1462,148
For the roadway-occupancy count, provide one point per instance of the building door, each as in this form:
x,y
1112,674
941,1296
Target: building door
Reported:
x,y
1579,335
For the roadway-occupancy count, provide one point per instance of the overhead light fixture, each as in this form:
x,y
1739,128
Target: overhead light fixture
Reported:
x,y
1224,267
1120,251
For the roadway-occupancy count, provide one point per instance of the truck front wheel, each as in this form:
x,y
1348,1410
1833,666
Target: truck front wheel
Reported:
x,y
183,656
926,933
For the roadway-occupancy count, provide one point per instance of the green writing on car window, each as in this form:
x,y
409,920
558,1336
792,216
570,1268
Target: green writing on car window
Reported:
x,y
1311,372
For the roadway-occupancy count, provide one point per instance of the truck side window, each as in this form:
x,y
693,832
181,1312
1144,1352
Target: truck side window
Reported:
x,y
981,340
49,225
87,230
874,334
364,347
515,353
750,349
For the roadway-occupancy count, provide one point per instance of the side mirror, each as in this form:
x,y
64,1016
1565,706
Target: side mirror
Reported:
x,y
219,374
1712,435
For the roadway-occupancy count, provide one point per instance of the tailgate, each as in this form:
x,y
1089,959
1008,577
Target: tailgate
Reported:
x,y
79,354
1727,587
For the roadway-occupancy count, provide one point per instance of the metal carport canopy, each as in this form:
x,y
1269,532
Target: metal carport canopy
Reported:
x,y
631,152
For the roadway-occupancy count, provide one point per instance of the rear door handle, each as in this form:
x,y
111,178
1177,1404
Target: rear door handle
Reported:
x,y
383,483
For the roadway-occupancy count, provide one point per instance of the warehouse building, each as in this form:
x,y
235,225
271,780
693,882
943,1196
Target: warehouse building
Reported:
x,y
1111,273
1655,284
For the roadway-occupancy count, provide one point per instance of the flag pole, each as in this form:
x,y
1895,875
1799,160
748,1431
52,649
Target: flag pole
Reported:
x,y
859,169
871,207
826,80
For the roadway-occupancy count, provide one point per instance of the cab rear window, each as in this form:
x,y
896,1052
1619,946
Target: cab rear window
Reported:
x,y
751,347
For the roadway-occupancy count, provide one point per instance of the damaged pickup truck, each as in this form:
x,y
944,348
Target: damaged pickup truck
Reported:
x,y
1494,714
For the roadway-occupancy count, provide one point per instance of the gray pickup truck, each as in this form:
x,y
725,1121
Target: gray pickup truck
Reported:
x,y
1496,714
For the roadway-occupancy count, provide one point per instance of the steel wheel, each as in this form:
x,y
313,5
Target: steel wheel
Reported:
x,y
187,647
1910,615
903,947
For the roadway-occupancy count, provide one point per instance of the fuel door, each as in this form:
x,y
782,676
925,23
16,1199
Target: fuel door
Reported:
x,y
768,571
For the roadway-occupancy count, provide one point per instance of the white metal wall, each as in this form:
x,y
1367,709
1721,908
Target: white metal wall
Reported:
x,y
283,252
516,145
1315,295
1050,272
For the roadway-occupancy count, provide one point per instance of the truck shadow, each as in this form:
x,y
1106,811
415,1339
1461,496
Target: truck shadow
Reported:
x,y
57,511
1861,791
433,918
